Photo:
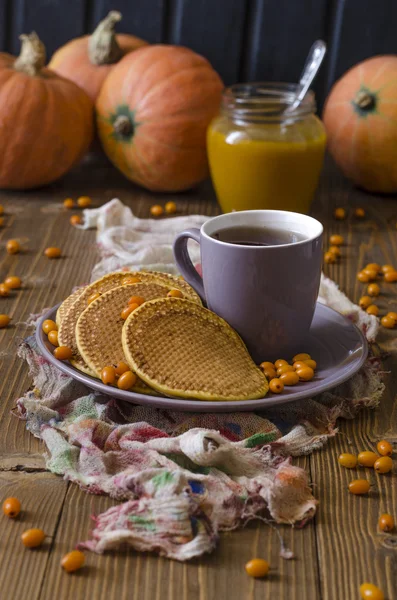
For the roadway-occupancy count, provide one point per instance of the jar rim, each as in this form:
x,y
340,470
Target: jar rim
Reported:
x,y
266,101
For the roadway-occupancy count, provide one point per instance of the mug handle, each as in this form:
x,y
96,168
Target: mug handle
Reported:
x,y
184,262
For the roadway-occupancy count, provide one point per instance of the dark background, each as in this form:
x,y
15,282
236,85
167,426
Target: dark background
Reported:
x,y
245,40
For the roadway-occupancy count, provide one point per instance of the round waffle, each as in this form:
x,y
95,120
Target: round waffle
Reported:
x,y
66,304
66,331
184,350
99,328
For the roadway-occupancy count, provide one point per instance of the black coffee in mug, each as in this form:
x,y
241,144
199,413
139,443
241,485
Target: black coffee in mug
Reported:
x,y
257,236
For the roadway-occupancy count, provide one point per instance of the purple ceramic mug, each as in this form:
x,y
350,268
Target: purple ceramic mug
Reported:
x,y
267,293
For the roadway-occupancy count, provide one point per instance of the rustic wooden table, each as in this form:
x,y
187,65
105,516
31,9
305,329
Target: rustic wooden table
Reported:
x,y
335,553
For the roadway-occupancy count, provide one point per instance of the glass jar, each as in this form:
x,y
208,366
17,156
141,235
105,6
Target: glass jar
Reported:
x,y
261,156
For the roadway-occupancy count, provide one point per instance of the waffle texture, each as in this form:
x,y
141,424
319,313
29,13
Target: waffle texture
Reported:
x,y
182,349
66,304
66,331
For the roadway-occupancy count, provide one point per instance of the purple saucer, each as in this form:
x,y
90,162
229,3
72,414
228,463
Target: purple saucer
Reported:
x,y
337,345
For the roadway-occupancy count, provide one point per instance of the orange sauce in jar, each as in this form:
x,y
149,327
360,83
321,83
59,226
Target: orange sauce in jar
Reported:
x,y
262,158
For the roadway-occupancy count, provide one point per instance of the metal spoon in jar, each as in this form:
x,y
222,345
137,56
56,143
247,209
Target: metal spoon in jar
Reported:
x,y
312,65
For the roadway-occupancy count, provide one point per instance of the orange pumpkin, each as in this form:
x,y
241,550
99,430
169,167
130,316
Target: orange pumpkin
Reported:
x,y
88,60
360,117
46,122
152,114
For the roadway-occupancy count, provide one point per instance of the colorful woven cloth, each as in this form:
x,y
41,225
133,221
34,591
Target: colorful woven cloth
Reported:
x,y
181,478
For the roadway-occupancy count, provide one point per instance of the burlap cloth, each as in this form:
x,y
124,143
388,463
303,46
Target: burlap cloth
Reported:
x,y
181,478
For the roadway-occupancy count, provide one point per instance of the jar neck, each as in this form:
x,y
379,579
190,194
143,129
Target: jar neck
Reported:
x,y
261,103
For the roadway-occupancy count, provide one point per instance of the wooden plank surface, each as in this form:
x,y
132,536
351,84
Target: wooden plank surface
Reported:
x,y
334,553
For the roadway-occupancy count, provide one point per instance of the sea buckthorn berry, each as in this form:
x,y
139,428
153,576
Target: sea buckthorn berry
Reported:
x,y
284,369
257,567
372,274
84,201
4,321
305,373
13,282
49,325
359,486
386,523
68,203
126,381
359,213
63,353
329,258
73,561
369,591
53,252
92,297
335,250
267,365
4,290
1,209
75,220
131,280
156,210
384,448
384,464
289,378
33,538
367,458
175,294
311,363
270,373
11,507
373,289
2,221
53,337
299,364
373,310
363,277
388,322
386,268
391,276
121,368
128,310
340,214
108,375
336,240
280,362
170,208
347,460
374,267
276,386
365,301
136,300
393,315
13,247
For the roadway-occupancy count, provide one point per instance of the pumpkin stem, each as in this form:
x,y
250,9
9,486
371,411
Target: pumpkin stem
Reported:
x,y
123,126
364,100
103,48
32,57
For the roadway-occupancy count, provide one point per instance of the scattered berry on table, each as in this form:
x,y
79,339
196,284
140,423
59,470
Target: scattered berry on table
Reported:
x,y
335,250
33,538
363,277
384,448
340,214
373,289
359,213
347,460
13,282
170,208
371,273
329,258
53,252
384,464
365,301
386,268
75,220
68,203
84,201
373,310
73,561
4,321
156,210
369,591
374,266
390,276
13,247
359,486
367,458
386,523
257,567
388,322
11,507
4,290
393,315
336,240
63,353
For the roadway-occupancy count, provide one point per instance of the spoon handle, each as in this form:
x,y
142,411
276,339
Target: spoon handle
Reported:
x,y
312,65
